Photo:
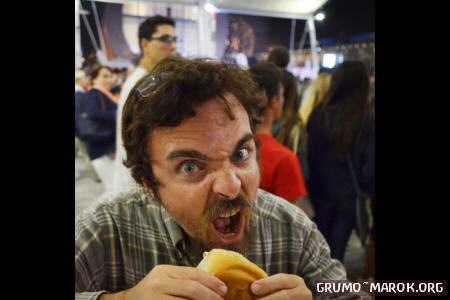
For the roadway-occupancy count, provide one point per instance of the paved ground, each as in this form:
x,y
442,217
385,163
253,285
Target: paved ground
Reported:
x,y
87,189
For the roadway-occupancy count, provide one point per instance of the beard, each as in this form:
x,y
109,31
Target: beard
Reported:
x,y
199,241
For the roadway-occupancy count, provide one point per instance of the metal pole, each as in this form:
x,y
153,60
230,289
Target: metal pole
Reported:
x,y
77,35
292,37
302,40
91,34
99,28
101,55
202,29
312,36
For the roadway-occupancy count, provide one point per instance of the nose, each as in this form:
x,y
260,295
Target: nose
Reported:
x,y
227,184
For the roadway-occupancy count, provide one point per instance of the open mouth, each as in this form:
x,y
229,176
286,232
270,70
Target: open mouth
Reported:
x,y
228,226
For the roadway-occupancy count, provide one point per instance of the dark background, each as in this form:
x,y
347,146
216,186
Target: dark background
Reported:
x,y
345,18
411,152
346,21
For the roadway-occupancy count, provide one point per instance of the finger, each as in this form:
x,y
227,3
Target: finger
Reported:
x,y
274,283
300,292
283,295
166,297
206,279
192,289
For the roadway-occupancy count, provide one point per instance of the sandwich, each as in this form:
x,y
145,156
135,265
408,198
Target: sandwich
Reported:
x,y
236,271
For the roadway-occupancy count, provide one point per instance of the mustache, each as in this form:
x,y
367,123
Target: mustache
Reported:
x,y
220,206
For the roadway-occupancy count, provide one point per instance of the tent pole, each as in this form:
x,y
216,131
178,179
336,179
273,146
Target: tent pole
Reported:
x,y
78,63
101,55
313,42
88,27
302,40
202,28
292,37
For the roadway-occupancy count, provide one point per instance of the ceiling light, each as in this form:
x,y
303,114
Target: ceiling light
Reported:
x,y
319,17
210,8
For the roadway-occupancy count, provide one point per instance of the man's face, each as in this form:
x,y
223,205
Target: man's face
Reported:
x,y
156,50
206,168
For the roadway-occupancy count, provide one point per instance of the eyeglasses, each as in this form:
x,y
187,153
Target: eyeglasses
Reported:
x,y
150,84
165,39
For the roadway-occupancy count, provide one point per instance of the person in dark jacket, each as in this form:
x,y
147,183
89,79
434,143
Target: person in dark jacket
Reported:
x,y
101,107
81,81
344,123
81,85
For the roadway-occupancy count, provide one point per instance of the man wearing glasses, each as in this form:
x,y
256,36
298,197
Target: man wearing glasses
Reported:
x,y
157,40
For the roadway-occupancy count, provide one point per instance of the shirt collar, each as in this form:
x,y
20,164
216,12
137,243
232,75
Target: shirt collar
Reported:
x,y
79,88
174,230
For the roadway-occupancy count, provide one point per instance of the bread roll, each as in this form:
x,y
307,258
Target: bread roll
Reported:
x,y
234,270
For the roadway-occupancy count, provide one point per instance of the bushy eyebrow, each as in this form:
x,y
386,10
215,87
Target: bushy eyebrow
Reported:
x,y
189,154
197,155
242,141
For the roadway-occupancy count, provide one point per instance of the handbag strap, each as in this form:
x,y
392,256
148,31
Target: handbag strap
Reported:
x,y
355,181
102,101
84,103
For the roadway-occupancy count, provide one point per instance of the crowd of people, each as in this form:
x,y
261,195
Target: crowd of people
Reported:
x,y
200,154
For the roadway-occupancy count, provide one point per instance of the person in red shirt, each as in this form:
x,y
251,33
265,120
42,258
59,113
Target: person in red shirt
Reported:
x,y
280,169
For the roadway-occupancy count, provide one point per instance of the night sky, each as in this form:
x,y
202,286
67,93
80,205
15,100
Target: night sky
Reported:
x,y
345,18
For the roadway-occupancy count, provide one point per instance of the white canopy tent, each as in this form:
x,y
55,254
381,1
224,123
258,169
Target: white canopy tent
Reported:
x,y
290,9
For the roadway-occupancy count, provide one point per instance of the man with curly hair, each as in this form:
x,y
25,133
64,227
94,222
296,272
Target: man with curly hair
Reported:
x,y
188,129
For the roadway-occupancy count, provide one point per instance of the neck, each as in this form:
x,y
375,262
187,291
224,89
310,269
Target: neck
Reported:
x,y
147,64
266,125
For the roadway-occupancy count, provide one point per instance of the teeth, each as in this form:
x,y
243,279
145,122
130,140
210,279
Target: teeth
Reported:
x,y
228,234
230,213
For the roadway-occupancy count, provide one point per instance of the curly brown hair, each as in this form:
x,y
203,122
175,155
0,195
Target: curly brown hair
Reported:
x,y
177,87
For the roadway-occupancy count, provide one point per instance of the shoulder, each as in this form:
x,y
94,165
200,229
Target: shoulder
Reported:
x,y
277,152
328,112
93,91
134,78
118,207
274,209
283,152
129,84
270,143
79,95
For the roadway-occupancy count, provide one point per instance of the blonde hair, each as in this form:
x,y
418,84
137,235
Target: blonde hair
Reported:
x,y
314,95
79,74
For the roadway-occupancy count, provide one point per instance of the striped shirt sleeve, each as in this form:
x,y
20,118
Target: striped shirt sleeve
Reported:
x,y
89,260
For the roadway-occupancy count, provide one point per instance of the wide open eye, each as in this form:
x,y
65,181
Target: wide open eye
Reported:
x,y
188,168
242,154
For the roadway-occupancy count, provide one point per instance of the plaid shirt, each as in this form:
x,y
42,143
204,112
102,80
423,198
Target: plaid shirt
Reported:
x,y
119,242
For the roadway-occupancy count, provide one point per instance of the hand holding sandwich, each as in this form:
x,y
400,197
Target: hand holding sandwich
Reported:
x,y
281,286
173,282
221,273
246,281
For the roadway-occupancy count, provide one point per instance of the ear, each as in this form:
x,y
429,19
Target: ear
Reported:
x,y
150,191
143,42
274,102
